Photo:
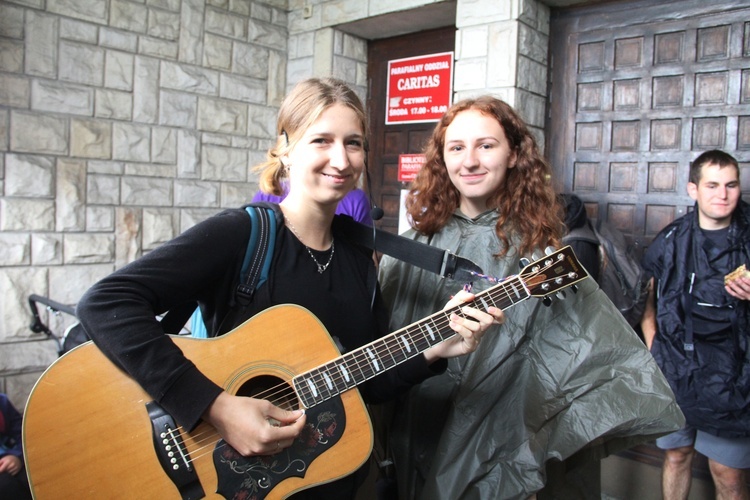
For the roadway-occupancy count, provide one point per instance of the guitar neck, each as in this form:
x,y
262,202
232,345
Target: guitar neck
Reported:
x,y
348,371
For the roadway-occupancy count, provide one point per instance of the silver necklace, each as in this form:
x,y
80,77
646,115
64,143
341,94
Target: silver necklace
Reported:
x,y
321,267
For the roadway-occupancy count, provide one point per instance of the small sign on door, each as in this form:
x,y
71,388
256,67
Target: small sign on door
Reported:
x,y
408,166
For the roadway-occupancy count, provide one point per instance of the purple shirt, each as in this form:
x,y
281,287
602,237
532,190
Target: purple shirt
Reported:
x,y
355,204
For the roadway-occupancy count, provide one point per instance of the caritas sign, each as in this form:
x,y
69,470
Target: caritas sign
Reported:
x,y
419,88
408,166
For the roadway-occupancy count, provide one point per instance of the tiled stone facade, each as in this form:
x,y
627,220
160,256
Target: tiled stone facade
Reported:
x,y
501,48
124,122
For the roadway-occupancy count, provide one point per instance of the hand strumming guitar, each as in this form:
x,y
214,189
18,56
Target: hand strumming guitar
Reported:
x,y
254,426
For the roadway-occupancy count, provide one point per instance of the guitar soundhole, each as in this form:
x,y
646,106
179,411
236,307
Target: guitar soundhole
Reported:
x,y
272,389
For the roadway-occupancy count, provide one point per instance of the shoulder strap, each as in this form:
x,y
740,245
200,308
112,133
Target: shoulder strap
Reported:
x,y
259,252
433,259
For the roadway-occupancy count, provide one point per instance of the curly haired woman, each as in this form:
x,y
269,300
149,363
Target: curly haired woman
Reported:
x,y
551,382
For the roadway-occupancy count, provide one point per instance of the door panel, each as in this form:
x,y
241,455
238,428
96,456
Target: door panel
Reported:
x,y
637,92
389,141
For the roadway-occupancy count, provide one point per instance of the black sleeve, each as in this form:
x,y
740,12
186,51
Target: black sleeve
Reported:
x,y
119,312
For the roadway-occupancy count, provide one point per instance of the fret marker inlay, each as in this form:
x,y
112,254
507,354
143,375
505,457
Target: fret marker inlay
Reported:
x,y
374,360
406,343
313,389
429,330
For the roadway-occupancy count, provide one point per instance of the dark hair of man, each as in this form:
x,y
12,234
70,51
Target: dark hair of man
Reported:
x,y
712,157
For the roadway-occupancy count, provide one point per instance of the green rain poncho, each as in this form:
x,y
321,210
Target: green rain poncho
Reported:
x,y
548,383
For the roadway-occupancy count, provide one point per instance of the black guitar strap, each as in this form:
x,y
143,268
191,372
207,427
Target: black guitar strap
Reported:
x,y
436,260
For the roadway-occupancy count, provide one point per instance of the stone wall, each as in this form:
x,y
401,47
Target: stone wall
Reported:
x,y
502,48
122,123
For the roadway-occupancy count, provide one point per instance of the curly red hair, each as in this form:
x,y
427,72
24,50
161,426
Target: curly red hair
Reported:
x,y
526,202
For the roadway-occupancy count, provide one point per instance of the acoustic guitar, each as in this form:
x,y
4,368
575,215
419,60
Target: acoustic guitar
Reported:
x,y
90,431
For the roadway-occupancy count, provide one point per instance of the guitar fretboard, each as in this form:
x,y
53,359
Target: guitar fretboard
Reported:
x,y
348,371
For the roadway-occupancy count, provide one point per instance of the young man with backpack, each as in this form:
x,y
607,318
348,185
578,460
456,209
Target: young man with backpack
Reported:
x,y
697,325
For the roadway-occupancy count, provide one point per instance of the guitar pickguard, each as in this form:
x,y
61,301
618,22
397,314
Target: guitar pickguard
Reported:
x,y
255,477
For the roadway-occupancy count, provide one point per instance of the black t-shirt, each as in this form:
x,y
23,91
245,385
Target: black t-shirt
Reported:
x,y
339,296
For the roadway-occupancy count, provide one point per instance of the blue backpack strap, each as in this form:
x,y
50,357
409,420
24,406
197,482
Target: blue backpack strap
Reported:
x,y
259,253
255,266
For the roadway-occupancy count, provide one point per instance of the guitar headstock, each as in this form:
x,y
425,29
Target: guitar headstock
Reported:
x,y
553,273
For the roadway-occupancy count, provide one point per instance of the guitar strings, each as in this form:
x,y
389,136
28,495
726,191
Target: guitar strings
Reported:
x,y
500,296
358,357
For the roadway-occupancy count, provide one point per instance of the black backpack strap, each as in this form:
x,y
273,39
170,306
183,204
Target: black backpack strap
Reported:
x,y
259,252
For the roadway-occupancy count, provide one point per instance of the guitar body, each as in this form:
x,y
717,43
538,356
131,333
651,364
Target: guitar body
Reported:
x,y
87,432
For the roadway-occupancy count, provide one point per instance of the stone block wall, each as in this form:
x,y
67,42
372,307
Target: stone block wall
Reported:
x,y
122,123
502,49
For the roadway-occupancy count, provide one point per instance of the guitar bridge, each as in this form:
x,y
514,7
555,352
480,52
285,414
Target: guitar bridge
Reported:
x,y
172,454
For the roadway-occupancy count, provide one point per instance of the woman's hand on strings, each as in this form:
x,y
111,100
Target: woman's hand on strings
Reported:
x,y
254,426
470,326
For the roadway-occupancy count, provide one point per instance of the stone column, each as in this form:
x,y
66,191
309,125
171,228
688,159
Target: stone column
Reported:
x,y
501,48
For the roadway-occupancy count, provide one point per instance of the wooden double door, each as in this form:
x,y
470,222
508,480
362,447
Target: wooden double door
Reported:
x,y
637,91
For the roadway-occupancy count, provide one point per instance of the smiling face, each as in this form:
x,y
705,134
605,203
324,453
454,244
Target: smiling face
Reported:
x,y
325,163
717,194
477,156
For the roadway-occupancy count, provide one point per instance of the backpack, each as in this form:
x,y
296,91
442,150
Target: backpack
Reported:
x,y
256,264
621,276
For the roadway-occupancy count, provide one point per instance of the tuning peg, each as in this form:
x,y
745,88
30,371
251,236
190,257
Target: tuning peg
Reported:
x,y
547,301
524,262
550,250
560,295
574,288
